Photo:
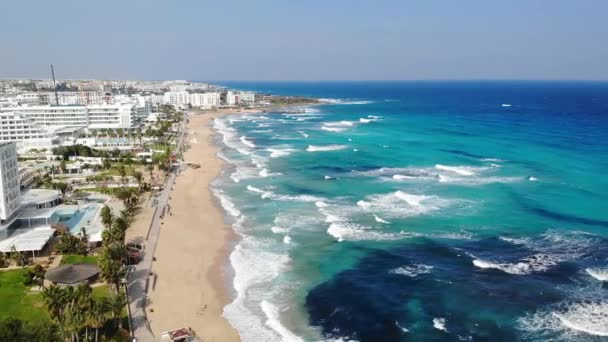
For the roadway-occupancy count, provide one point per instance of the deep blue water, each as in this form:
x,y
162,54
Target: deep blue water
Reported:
x,y
420,211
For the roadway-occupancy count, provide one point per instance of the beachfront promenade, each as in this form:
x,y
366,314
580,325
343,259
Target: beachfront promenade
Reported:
x,y
138,278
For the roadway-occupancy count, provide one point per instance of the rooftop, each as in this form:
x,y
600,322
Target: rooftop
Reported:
x,y
72,274
27,239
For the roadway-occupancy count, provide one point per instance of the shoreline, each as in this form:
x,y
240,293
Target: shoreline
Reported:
x,y
194,293
189,286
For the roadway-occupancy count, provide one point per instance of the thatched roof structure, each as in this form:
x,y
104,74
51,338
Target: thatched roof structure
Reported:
x,y
72,274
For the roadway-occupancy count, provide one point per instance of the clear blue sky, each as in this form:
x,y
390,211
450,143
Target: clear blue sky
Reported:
x,y
305,40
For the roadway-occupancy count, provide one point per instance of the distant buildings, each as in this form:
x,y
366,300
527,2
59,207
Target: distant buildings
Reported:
x,y
235,98
10,191
34,117
184,98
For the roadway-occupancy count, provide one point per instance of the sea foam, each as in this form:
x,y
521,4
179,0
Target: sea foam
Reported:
x,y
313,148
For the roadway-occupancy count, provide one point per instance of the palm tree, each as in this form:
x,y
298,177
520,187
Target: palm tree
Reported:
x,y
139,134
106,216
138,176
111,263
83,302
97,315
116,304
54,299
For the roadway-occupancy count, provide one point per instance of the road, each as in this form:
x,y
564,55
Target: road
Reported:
x,y
138,279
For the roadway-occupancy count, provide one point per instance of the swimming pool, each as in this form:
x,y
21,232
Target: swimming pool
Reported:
x,y
76,218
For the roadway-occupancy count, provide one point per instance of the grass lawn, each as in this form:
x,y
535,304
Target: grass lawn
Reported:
x,y
15,299
101,291
78,259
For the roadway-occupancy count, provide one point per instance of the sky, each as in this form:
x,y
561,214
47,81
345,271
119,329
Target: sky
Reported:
x,y
305,40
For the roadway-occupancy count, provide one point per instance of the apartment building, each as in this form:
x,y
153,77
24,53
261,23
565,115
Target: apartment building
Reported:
x,y
10,195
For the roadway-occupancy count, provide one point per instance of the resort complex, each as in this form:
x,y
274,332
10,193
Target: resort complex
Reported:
x,y
85,182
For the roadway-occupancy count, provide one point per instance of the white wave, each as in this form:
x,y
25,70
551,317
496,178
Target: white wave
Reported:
x,y
327,177
412,271
590,318
266,194
345,231
402,177
413,200
461,170
321,204
343,102
364,120
227,203
439,324
224,158
517,241
279,230
405,330
311,110
598,273
228,135
400,172
477,180
401,204
329,218
313,148
287,239
303,134
274,322
339,124
254,267
264,173
532,179
379,220
333,129
282,152
243,172
534,263
247,142
254,189
495,160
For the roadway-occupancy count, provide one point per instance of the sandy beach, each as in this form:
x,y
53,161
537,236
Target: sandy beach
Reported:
x,y
189,286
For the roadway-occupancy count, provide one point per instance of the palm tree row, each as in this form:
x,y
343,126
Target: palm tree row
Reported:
x,y
74,309
113,256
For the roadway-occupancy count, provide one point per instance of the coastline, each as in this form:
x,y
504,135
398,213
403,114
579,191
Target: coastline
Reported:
x,y
188,288
192,281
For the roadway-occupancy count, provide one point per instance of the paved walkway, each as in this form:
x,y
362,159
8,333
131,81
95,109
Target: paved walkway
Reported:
x,y
138,279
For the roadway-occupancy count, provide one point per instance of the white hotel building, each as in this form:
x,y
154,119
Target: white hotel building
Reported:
x,y
10,192
24,132
38,126
183,98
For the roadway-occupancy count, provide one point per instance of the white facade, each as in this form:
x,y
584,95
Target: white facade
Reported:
x,y
10,194
205,100
100,116
27,135
233,98
247,97
183,98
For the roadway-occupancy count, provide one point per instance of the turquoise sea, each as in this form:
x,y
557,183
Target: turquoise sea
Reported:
x,y
420,211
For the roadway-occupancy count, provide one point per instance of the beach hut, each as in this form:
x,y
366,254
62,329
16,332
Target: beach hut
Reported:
x,y
72,274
